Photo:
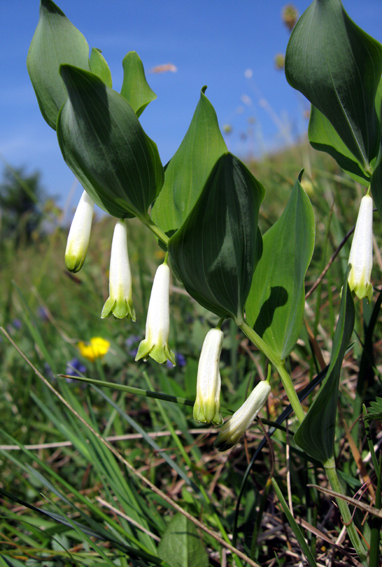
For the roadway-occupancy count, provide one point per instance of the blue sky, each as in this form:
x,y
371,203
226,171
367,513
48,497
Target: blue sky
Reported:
x,y
211,43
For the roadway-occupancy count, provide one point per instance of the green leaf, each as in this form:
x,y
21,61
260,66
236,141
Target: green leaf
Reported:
x,y
99,67
214,253
135,87
294,525
188,170
324,138
8,561
181,545
275,305
316,433
376,184
54,42
374,411
105,146
338,67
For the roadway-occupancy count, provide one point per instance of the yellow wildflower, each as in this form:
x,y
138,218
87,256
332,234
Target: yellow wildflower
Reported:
x,y
97,348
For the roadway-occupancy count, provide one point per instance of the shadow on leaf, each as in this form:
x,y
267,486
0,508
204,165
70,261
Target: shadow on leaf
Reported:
x,y
278,297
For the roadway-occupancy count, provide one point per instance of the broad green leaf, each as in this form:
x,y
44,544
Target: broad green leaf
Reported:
x,y
324,138
214,253
376,184
105,146
316,433
181,545
99,67
376,178
338,67
275,305
135,87
54,42
188,170
378,100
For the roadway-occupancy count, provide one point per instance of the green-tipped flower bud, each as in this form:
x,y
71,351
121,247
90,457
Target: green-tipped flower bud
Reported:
x,y
207,403
361,253
120,300
155,344
79,234
237,425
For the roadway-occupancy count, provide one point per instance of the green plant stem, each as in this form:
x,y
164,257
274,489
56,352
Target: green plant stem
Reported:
x,y
131,390
280,367
146,220
331,472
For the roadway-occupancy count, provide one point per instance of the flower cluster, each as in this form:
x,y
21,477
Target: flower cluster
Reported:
x,y
120,300
207,403
155,344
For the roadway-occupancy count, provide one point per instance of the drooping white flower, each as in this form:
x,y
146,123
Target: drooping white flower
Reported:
x,y
120,300
207,403
155,344
361,252
79,234
236,426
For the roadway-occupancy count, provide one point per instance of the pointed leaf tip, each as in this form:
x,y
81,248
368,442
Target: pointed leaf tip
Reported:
x,y
214,253
275,305
316,433
338,67
99,67
55,41
135,87
188,170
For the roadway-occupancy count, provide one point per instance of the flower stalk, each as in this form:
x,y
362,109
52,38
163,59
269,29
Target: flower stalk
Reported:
x,y
280,367
347,518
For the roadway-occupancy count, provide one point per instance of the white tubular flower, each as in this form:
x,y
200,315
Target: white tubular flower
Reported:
x,y
120,300
79,234
361,252
158,320
237,425
207,403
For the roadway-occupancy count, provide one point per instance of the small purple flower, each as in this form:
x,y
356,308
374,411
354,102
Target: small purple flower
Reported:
x,y
17,323
180,359
75,367
132,340
43,313
48,371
